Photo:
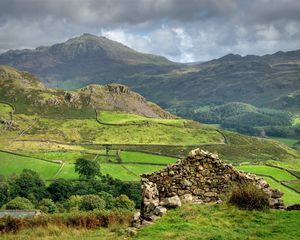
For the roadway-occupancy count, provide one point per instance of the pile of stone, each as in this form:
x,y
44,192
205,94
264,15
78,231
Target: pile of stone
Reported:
x,y
200,178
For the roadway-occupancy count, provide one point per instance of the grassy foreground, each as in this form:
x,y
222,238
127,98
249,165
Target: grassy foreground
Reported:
x,y
222,222
190,222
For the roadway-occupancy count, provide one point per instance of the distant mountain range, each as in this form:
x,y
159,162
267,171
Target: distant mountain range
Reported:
x,y
264,81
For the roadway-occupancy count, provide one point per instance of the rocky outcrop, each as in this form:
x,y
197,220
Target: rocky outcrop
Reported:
x,y
200,178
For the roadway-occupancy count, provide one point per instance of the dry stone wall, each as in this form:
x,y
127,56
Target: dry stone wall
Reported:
x,y
201,178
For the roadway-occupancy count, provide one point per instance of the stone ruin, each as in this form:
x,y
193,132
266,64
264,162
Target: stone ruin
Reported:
x,y
200,178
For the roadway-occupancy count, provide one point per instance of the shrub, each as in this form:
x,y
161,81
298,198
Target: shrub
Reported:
x,y
123,202
19,203
248,196
47,206
91,202
73,203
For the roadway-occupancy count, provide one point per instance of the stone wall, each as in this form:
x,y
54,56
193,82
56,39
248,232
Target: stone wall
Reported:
x,y
200,178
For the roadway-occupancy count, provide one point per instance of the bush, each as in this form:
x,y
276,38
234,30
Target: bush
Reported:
x,y
19,203
248,196
47,206
91,202
123,202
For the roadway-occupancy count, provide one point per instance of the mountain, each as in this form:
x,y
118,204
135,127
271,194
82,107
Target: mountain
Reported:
x,y
83,60
271,80
29,95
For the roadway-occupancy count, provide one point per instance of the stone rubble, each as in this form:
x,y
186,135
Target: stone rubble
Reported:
x,y
200,178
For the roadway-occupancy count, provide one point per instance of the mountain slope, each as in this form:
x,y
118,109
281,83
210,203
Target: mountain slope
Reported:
x,y
28,94
87,59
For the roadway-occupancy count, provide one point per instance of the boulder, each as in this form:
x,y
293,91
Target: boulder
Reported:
x,y
186,198
171,202
160,211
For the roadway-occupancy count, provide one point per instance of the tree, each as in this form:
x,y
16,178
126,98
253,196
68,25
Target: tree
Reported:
x,y
87,169
60,190
47,206
123,202
29,183
91,202
4,193
19,203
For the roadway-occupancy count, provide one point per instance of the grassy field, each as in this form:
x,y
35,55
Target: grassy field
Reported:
x,y
278,174
61,155
127,156
11,164
113,117
5,108
90,131
289,197
223,222
288,141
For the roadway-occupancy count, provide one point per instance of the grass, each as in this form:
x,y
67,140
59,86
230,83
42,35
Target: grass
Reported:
x,y
278,174
62,155
289,197
223,222
90,131
11,164
5,108
127,156
288,141
58,233
294,184
113,117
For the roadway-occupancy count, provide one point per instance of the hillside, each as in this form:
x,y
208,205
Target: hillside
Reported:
x,y
29,95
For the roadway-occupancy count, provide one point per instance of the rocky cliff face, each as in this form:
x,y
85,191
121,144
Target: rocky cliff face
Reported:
x,y
200,178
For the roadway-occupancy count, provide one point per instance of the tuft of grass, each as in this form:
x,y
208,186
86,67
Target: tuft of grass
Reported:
x,y
247,196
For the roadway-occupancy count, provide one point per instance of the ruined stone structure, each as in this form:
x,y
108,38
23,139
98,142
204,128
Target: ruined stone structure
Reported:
x,y
200,178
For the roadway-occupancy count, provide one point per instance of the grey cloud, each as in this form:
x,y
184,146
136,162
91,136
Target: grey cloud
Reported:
x,y
205,28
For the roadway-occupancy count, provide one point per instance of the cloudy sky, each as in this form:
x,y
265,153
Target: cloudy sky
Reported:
x,y
182,30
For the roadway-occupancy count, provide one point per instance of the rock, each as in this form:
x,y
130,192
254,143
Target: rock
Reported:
x,y
187,183
275,193
210,194
186,198
136,216
131,231
171,202
160,211
293,207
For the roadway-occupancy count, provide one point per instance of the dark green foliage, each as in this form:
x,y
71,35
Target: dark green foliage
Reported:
x,y
60,189
248,196
46,205
30,185
19,203
91,202
4,193
87,169
123,202
108,198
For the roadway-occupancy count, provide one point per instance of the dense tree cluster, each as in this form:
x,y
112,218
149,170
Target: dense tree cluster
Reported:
x,y
244,118
28,191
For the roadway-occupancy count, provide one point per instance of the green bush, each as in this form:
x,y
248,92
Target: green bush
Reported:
x,y
248,196
91,202
47,206
73,203
123,202
19,203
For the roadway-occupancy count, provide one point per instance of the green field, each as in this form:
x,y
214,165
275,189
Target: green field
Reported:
x,y
113,117
5,108
127,156
223,222
11,164
289,197
278,174
62,155
288,141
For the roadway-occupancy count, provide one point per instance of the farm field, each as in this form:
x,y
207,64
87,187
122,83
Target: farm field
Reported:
x,y
278,174
290,196
11,164
114,117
